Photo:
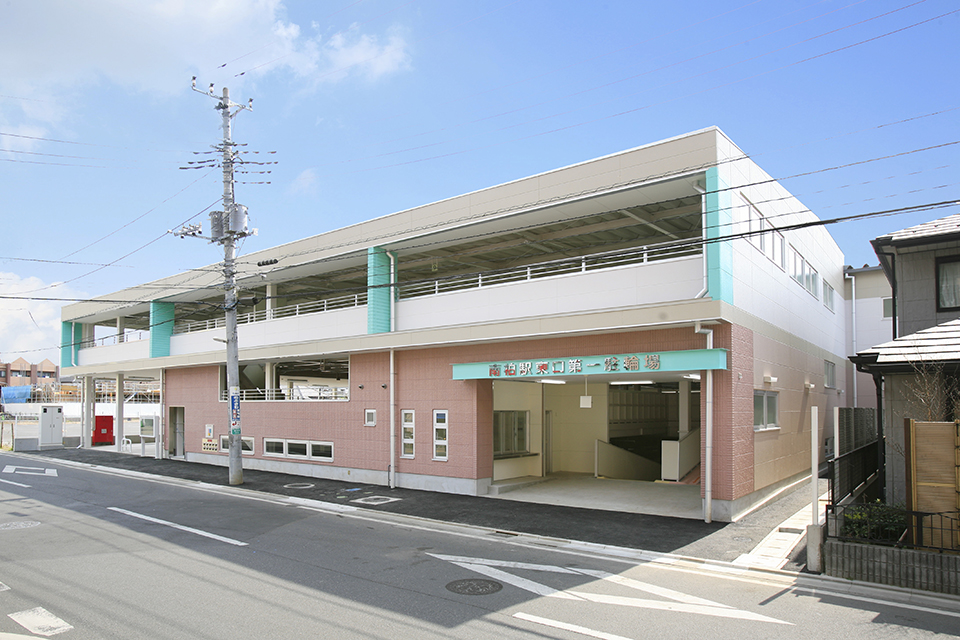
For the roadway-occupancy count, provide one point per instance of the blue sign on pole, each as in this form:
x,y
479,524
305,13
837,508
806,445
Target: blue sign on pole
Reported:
x,y
234,414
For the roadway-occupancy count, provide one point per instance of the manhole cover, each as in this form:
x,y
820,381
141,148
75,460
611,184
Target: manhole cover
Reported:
x,y
298,485
376,500
474,587
23,524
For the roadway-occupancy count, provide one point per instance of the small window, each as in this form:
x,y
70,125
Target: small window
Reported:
x,y
948,283
510,433
829,374
813,281
370,417
407,433
322,451
440,429
297,448
827,296
765,410
246,445
887,308
273,447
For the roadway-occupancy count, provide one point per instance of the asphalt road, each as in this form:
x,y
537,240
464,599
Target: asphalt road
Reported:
x,y
90,553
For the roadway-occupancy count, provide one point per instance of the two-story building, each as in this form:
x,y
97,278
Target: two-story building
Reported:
x,y
637,315
917,370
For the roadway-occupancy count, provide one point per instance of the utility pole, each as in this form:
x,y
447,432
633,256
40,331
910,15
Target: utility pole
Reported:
x,y
227,227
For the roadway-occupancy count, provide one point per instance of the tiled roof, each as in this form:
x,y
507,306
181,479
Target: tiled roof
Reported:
x,y
936,344
944,226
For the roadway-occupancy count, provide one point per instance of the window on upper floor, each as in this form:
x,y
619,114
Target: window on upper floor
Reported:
x,y
828,296
887,308
948,283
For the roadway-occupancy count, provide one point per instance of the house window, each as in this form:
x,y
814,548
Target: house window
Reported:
x,y
440,435
510,433
948,283
829,374
370,417
273,447
246,445
828,296
297,448
322,451
765,410
407,432
887,308
812,281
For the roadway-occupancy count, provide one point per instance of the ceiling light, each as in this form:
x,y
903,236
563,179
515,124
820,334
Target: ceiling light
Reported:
x,y
546,381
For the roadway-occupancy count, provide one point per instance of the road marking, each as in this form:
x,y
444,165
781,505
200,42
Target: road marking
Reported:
x,y
556,624
30,471
41,622
18,484
205,534
682,602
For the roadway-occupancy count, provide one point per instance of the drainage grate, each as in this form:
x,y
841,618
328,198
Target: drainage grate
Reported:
x,y
474,587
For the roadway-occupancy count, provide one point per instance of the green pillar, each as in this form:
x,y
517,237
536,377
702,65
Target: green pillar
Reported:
x,y
161,328
719,221
378,290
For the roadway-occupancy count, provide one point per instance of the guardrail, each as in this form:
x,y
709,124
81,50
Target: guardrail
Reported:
x,y
583,264
316,306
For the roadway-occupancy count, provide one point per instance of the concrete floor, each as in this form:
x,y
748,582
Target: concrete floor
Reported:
x,y
584,490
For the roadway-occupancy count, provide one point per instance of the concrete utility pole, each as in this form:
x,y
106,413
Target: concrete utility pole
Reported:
x,y
227,227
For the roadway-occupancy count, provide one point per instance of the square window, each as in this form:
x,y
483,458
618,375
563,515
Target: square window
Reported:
x,y
887,308
765,410
370,417
948,283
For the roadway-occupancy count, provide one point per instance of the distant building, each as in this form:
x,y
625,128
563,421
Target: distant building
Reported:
x,y
21,372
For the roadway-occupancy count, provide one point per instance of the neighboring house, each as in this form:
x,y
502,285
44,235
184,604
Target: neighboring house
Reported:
x,y
647,299
20,372
922,265
869,322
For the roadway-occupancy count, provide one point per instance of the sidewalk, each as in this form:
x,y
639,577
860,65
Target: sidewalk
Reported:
x,y
726,542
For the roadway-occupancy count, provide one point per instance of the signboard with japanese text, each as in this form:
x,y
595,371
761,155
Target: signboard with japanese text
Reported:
x,y
625,363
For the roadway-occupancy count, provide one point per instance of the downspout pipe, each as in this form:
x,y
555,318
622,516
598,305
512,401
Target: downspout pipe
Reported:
x,y
708,437
853,327
392,473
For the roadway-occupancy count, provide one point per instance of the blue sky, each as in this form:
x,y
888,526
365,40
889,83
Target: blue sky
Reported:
x,y
375,106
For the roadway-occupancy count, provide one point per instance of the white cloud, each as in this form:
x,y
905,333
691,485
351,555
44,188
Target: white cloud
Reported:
x,y
29,329
305,183
154,46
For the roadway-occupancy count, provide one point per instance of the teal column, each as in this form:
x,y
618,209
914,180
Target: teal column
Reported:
x,y
77,341
67,348
378,290
719,221
161,328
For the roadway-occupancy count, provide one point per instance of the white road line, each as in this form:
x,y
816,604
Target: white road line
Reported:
x,y
680,607
30,471
517,581
40,622
556,624
205,534
17,484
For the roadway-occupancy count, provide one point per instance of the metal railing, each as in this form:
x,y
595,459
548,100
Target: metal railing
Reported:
x,y
850,472
639,255
297,393
316,306
882,524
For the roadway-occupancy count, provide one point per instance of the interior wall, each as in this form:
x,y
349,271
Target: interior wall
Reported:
x,y
521,396
575,430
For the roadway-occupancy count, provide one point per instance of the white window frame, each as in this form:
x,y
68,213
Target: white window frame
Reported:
x,y
301,456
369,417
283,447
244,440
406,439
438,426
765,424
828,297
829,374
321,443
